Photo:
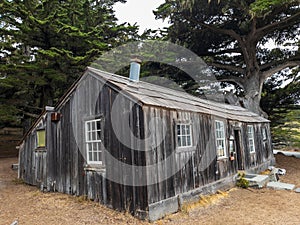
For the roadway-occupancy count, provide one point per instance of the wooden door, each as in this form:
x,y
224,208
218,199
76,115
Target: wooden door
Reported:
x,y
239,151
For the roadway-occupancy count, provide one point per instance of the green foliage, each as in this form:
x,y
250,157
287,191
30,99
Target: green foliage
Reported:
x,y
280,94
46,45
287,133
261,8
230,35
9,115
241,181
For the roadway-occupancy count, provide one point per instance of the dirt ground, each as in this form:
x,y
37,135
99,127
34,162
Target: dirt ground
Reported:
x,y
27,205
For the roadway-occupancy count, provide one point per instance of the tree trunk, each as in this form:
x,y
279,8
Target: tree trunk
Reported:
x,y
252,90
252,86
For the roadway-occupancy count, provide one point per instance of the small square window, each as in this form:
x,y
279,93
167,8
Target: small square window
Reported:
x,y
41,138
184,135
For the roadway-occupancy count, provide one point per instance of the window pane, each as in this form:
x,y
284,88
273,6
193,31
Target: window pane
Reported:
x,y
184,141
90,156
93,136
98,135
183,129
179,141
178,130
188,129
222,134
188,141
98,145
41,138
95,146
221,126
98,125
95,156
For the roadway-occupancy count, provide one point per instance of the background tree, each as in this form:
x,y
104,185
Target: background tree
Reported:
x,y
280,100
233,36
46,45
280,96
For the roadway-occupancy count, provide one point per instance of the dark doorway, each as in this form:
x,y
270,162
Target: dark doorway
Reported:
x,y
238,147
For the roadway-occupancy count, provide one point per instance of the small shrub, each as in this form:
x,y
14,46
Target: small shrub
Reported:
x,y
241,181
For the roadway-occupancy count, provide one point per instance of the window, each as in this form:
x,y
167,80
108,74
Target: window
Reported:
x,y
251,138
264,133
93,141
184,135
41,138
220,139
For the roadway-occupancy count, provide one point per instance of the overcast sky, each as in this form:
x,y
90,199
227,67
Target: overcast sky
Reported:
x,y
140,12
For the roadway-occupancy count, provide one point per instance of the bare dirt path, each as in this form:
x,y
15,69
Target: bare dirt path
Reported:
x,y
28,205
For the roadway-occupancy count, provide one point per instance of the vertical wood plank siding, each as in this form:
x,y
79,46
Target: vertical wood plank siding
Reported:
x,y
201,165
62,165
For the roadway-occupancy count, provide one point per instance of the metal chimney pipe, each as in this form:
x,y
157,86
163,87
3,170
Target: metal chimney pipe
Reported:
x,y
135,66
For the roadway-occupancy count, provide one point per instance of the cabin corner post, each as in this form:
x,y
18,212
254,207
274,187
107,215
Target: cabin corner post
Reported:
x,y
20,158
50,156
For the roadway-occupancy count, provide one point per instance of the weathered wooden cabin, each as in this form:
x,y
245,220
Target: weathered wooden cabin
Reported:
x,y
136,146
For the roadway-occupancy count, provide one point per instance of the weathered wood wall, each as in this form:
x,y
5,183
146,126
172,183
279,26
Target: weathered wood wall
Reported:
x,y
194,168
62,165
67,170
31,164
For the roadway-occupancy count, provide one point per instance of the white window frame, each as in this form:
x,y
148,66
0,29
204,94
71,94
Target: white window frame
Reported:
x,y
220,139
184,135
251,143
93,141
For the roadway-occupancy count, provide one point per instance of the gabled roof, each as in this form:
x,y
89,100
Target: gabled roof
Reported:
x,y
158,96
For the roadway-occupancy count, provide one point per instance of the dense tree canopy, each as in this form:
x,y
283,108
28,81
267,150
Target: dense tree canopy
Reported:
x,y
45,45
279,98
234,37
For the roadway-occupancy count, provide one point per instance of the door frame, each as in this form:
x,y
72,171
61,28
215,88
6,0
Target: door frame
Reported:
x,y
239,148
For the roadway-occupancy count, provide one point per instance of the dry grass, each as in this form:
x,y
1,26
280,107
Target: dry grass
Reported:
x,y
238,206
204,200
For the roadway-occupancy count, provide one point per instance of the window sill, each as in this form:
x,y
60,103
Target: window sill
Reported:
x,y
223,158
185,149
40,149
95,168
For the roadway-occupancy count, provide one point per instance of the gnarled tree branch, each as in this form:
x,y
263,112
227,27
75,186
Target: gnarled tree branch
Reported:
x,y
232,79
268,66
280,67
278,25
226,67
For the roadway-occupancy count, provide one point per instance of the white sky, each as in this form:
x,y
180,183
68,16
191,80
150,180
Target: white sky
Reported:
x,y
140,12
